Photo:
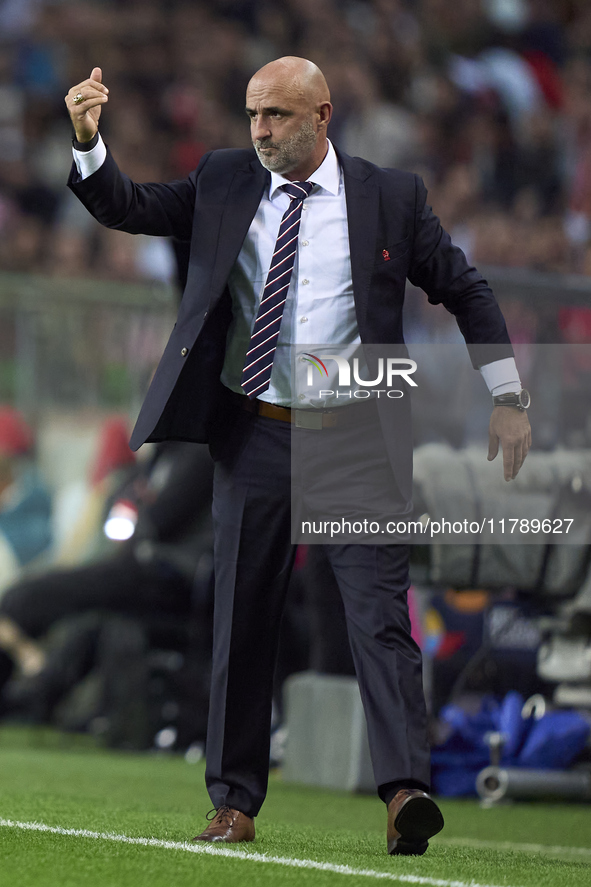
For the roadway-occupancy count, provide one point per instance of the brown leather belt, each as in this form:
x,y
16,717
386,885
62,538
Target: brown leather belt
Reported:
x,y
312,419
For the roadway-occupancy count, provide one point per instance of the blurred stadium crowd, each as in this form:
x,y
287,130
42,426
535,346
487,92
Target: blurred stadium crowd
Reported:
x,y
489,100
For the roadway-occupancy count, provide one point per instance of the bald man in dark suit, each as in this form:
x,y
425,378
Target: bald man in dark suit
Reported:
x,y
345,235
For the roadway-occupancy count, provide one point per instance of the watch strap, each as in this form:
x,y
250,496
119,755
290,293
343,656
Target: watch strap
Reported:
x,y
519,399
86,146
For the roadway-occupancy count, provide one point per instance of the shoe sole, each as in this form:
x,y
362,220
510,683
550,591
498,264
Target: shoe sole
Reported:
x,y
419,820
220,839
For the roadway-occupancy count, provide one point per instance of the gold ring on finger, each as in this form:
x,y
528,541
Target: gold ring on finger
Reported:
x,y
78,98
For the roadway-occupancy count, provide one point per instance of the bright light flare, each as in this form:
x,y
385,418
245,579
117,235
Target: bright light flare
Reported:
x,y
121,521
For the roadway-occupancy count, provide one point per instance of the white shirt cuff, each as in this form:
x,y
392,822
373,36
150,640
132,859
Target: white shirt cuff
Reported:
x,y
88,162
501,376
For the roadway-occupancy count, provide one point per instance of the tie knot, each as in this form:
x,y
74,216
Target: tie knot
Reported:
x,y
298,189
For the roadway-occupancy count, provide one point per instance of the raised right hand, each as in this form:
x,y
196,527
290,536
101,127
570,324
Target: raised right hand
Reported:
x,y
85,115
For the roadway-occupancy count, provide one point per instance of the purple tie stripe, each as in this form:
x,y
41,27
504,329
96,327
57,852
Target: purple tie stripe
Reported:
x,y
261,316
280,291
287,270
256,374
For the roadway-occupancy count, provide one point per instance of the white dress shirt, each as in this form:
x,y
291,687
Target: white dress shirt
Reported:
x,y
320,307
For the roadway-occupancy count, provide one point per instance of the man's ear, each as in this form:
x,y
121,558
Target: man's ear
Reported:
x,y
324,113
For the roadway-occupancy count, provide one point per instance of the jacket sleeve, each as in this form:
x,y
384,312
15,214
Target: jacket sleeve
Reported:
x,y
442,271
162,210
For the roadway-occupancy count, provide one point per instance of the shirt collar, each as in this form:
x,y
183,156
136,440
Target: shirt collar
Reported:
x,y
327,176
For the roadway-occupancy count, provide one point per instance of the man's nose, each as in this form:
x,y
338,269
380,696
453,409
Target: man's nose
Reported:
x,y
260,129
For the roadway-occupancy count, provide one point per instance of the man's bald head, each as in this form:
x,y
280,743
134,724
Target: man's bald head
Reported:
x,y
288,102
301,76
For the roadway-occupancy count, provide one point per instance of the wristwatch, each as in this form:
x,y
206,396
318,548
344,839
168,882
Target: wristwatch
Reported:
x,y
519,399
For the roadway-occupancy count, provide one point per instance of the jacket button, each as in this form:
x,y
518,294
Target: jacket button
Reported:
x,y
184,352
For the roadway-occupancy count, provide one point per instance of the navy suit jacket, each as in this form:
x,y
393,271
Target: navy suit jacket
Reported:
x,y
213,209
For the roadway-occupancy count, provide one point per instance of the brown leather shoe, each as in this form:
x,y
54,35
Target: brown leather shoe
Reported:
x,y
229,826
413,818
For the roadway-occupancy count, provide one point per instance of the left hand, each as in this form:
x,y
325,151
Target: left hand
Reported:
x,y
509,427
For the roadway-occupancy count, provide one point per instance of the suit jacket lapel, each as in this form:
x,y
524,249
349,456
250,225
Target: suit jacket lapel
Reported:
x,y
242,201
362,194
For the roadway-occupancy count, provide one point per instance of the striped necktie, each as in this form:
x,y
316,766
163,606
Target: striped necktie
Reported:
x,y
256,374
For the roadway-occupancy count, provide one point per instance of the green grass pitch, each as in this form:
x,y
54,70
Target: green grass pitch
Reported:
x,y
163,797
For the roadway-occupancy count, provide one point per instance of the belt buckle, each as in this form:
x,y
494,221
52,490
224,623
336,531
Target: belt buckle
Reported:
x,y
309,419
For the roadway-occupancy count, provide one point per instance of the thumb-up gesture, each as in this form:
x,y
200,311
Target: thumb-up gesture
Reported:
x,y
84,103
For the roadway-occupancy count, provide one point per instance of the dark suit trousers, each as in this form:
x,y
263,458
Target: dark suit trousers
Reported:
x,y
253,560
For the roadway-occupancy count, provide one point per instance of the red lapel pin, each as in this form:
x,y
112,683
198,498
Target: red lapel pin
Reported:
x,y
386,255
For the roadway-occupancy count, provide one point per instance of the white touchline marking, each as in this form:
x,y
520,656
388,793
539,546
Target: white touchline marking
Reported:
x,y
213,850
552,849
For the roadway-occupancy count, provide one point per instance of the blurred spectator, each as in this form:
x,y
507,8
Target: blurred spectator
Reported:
x,y
25,504
379,131
80,505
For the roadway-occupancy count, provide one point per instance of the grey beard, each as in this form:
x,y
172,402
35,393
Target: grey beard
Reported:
x,y
290,152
